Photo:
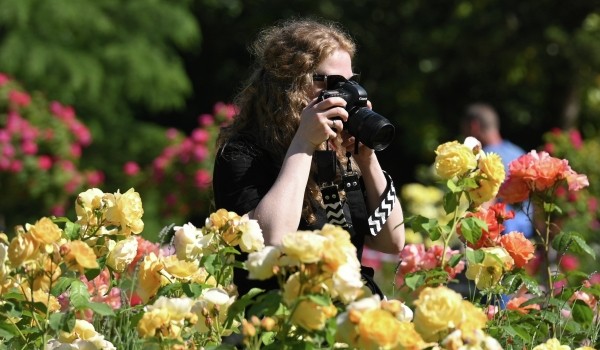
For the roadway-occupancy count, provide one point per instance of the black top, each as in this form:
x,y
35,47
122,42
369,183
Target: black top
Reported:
x,y
243,174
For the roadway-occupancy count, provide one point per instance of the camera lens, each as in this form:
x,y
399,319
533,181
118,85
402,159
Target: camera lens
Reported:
x,y
370,128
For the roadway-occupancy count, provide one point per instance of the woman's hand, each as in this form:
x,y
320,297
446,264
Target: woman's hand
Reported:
x,y
320,120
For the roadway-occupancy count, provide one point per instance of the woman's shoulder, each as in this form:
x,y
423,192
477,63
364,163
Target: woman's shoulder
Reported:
x,y
243,145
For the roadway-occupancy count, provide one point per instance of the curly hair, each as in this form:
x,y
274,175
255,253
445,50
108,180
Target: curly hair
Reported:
x,y
272,99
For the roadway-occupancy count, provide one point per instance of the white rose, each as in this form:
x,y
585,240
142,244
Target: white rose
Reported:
x,y
122,253
185,239
365,304
347,282
252,238
86,204
178,308
260,264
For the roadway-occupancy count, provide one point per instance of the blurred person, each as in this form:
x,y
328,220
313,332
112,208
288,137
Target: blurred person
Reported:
x,y
287,153
482,122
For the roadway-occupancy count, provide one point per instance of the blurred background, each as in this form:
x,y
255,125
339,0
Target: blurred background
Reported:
x,y
120,94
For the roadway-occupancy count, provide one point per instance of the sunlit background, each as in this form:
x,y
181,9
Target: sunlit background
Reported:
x,y
120,94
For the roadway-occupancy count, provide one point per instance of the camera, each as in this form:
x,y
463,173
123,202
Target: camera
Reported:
x,y
368,127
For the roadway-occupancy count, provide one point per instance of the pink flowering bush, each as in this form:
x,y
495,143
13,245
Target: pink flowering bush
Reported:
x,y
41,143
182,172
580,211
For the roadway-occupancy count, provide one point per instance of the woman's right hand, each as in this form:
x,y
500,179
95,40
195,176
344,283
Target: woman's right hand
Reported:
x,y
320,121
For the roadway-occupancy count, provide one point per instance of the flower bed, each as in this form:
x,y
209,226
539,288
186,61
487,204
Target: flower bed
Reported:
x,y
94,283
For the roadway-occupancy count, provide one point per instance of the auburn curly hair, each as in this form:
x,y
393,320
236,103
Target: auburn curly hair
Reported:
x,y
278,89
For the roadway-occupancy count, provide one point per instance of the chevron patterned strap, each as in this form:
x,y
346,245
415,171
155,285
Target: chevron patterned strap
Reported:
x,y
333,206
382,213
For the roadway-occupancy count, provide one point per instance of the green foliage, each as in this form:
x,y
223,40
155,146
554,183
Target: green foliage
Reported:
x,y
113,61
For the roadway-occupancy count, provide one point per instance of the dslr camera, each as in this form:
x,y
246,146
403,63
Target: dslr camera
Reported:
x,y
368,127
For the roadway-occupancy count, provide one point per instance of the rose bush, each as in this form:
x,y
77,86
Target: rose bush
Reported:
x,y
94,283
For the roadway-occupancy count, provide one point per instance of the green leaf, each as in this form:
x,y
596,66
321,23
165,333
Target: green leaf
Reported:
x,y
450,202
573,242
266,304
518,331
475,256
267,337
320,299
426,226
208,262
101,309
532,285
241,304
472,228
8,331
582,313
79,295
454,260
582,246
61,321
72,230
414,280
61,285
192,290
452,187
171,287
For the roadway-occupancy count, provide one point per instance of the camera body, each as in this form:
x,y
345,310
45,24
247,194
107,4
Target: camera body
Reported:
x,y
368,127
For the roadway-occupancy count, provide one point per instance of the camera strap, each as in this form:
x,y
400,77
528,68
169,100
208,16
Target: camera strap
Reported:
x,y
327,164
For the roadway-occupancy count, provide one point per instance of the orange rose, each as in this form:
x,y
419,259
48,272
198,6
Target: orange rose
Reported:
x,y
515,304
514,190
520,248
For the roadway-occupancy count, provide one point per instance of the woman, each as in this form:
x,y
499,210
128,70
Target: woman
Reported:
x,y
266,164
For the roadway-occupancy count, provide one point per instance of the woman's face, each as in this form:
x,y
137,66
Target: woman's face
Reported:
x,y
339,63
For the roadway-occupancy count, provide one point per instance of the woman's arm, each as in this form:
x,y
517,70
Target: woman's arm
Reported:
x,y
280,210
391,237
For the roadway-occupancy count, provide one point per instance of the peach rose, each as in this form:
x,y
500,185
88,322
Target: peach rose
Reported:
x,y
520,248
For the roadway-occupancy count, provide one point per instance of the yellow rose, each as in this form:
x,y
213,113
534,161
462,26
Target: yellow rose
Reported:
x,y
473,319
311,316
4,268
340,236
125,210
453,159
486,191
149,278
180,269
552,344
292,289
45,231
44,297
49,274
334,255
121,253
79,256
221,218
379,329
305,246
88,207
151,321
438,309
488,272
22,248
491,166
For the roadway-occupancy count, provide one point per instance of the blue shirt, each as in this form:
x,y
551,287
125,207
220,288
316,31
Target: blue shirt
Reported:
x,y
508,151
